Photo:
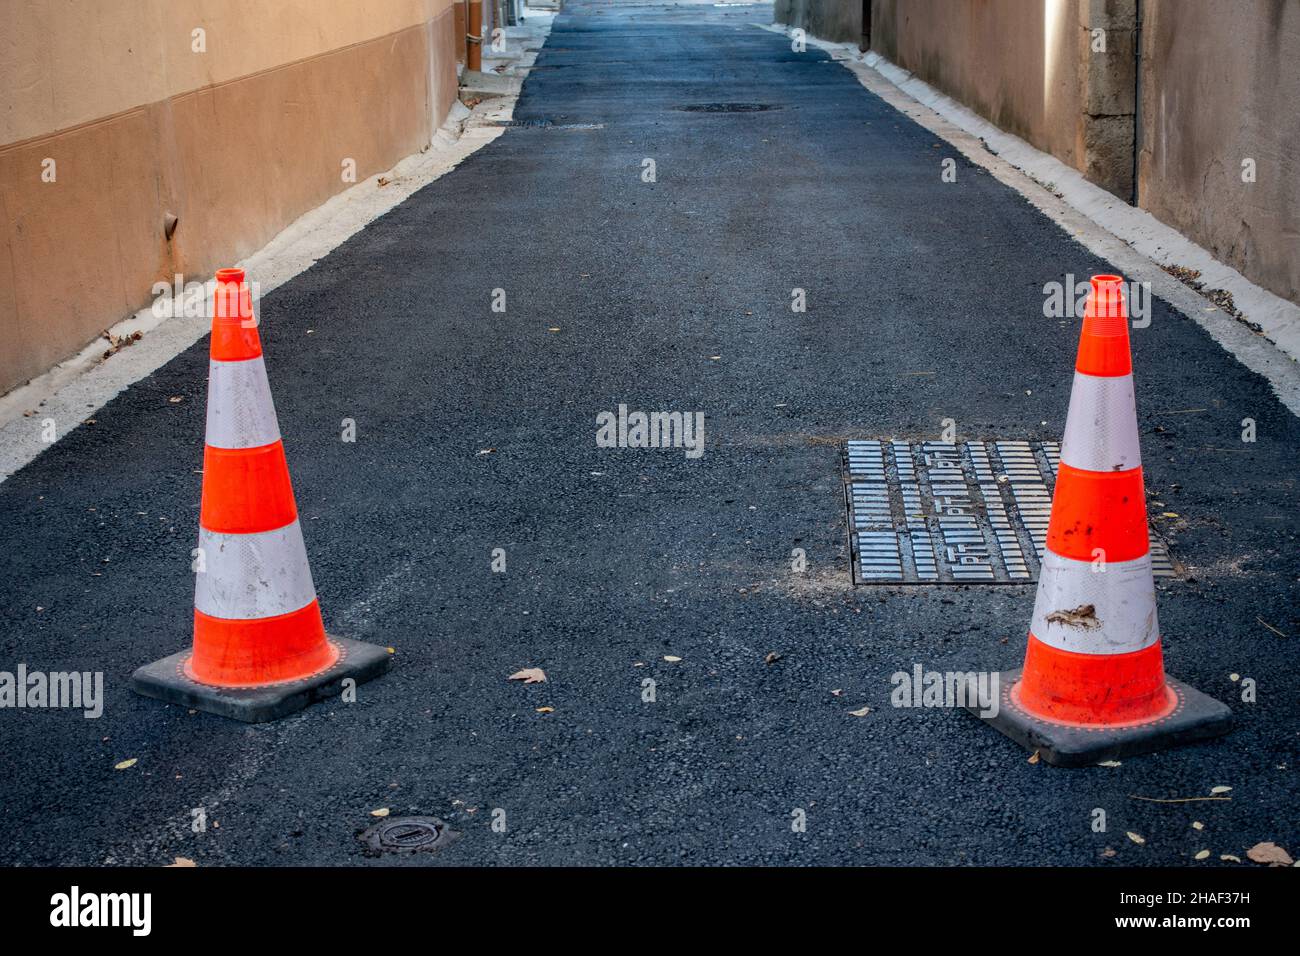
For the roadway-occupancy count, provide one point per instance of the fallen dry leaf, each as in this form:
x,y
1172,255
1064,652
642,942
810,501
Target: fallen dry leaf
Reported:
x,y
860,713
1203,855
1219,789
771,658
181,861
1108,852
125,764
1110,763
837,693
529,675
1033,758
670,659
1198,825
546,710
1270,853
116,342
1228,857
381,812
1139,840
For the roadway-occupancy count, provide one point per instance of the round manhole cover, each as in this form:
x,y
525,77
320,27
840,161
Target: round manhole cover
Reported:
x,y
408,835
728,107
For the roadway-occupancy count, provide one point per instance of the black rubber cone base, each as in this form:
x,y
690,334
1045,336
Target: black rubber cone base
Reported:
x,y
1195,717
166,680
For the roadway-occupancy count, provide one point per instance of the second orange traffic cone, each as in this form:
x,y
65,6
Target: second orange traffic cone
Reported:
x,y
1093,685
260,647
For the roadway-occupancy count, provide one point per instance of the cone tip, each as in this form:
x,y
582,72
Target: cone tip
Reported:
x,y
1103,341
1106,303
230,275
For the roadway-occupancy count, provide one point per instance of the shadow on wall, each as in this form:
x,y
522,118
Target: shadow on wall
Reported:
x,y
839,21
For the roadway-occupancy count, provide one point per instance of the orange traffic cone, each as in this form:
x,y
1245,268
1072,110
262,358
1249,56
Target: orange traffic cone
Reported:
x,y
1093,684
260,648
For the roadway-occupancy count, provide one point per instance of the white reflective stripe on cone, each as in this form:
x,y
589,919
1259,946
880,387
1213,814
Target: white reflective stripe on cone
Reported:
x,y
1101,426
1122,600
253,575
240,411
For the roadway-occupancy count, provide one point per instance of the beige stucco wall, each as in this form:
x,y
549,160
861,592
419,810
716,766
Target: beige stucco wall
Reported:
x,y
237,141
1030,67
70,61
1009,60
1221,84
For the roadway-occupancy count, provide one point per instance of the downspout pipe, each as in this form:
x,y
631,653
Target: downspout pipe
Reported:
x,y
1137,100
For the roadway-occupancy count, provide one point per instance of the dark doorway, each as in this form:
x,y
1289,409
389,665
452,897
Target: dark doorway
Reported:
x,y
865,43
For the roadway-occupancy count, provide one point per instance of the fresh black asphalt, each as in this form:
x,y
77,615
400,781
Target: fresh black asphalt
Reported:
x,y
475,431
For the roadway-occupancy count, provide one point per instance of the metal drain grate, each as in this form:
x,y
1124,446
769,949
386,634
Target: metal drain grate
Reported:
x,y
954,512
407,835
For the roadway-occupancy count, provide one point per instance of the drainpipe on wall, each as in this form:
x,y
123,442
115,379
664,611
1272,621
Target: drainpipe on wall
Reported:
x,y
460,28
474,36
1137,100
